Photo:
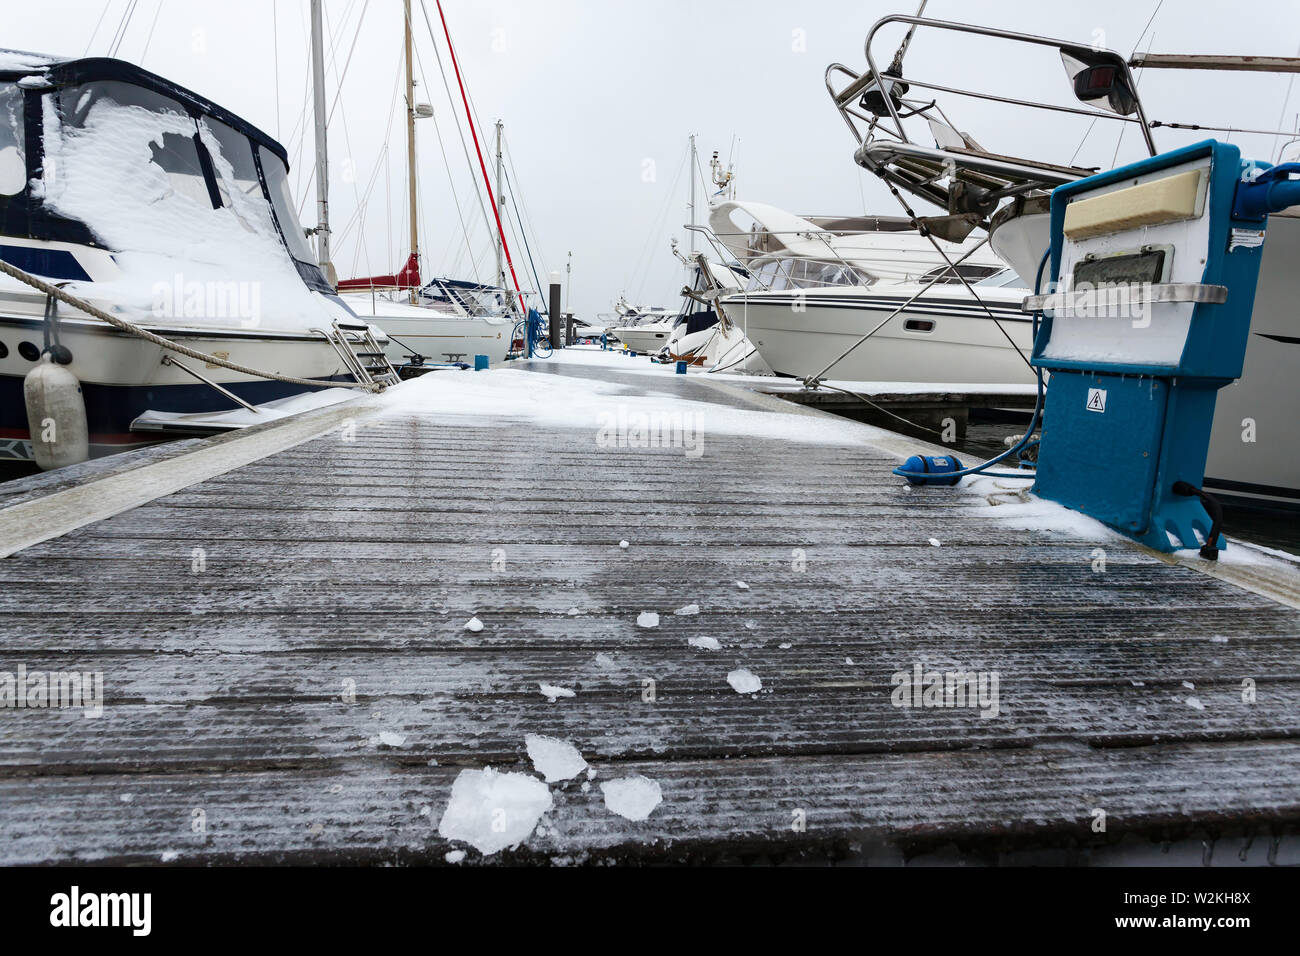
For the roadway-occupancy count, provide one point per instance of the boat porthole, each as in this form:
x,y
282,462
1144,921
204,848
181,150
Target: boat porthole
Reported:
x,y
4,350
29,351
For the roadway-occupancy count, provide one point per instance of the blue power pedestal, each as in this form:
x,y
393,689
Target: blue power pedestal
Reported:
x,y
1156,265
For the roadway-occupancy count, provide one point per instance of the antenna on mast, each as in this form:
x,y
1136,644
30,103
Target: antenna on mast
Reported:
x,y
723,178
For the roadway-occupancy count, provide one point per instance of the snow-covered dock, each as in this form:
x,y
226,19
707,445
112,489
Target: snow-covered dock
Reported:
x,y
303,649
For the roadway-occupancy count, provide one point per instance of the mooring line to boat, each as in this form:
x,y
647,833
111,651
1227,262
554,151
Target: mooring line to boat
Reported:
x,y
952,266
98,313
1035,422
812,381
906,421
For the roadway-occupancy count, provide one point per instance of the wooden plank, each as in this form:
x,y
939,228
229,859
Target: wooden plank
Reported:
x,y
361,561
867,808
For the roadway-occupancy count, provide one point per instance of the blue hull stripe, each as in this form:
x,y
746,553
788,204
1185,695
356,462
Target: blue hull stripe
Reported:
x,y
110,409
51,263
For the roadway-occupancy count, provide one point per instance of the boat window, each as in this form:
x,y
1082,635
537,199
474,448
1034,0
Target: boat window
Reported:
x,y
1007,278
780,276
277,185
13,159
109,122
700,321
760,277
235,171
970,273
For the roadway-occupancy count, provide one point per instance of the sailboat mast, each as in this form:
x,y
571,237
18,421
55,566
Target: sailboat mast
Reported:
x,y
322,160
692,175
501,275
410,140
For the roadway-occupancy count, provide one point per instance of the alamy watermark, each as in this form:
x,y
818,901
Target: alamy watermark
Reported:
x,y
628,429
1120,300
179,299
52,690
922,688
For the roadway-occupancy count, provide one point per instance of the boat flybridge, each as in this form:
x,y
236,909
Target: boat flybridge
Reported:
x,y
172,217
905,136
817,284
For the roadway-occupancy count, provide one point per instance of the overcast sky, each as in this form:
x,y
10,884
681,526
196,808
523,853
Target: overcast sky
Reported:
x,y
599,97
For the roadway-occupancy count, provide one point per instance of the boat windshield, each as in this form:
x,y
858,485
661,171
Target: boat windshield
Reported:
x,y
777,275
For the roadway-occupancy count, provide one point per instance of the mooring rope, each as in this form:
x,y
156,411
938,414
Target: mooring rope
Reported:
x,y
119,323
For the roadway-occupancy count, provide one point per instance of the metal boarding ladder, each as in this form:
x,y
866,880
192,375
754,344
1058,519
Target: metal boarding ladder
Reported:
x,y
361,352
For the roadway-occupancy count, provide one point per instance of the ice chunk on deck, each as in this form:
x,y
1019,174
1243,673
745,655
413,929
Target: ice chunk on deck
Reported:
x,y
553,758
551,692
707,643
744,681
647,619
632,797
493,811
742,585
474,624
390,739
688,610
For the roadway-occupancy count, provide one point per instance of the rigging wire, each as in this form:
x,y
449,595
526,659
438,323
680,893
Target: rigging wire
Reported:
x,y
95,32
523,200
331,62
446,163
1141,36
655,233
358,215
527,248
1123,127
1286,101
149,38
505,247
347,134
460,130
120,34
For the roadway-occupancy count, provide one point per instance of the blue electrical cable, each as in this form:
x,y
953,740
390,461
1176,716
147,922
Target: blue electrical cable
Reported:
x,y
1025,442
536,345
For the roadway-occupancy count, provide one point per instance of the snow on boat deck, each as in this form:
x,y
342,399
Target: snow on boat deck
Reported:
x,y
303,687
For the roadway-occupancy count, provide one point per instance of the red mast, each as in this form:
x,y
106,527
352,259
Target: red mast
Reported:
x,y
496,211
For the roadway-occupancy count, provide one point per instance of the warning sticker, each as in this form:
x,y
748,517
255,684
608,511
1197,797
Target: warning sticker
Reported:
x,y
1096,400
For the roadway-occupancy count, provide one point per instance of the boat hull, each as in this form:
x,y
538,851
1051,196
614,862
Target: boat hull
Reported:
x,y
645,338
949,340
122,376
438,336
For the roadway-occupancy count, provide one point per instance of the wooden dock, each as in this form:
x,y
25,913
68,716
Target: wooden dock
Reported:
x,y
228,736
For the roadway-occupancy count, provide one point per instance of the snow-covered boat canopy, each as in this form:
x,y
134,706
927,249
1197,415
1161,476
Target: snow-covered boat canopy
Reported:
x,y
156,183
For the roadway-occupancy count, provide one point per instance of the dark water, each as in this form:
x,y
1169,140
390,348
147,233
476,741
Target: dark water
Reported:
x,y
10,470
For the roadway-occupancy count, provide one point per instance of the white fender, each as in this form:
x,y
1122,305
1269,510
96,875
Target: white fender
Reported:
x,y
56,415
